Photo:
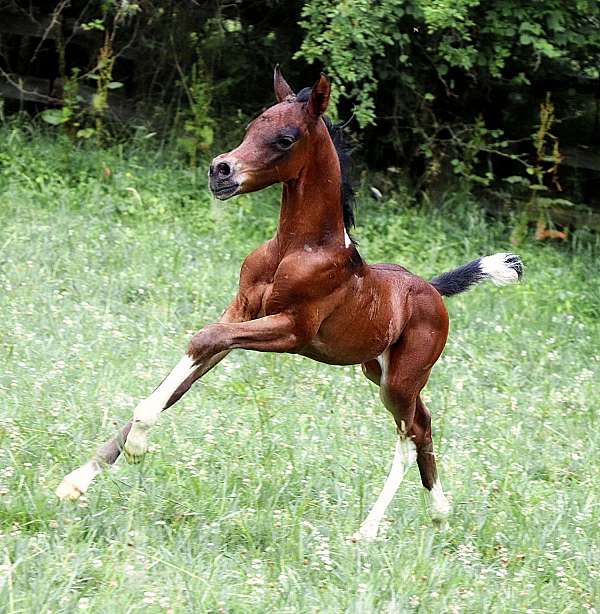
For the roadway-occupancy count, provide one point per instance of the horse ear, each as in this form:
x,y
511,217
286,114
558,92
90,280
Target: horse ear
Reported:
x,y
319,96
282,89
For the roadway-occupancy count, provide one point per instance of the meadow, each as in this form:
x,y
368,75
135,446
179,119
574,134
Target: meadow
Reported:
x,y
111,258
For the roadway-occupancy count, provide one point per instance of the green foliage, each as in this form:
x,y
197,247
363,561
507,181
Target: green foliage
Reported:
x,y
447,90
448,82
198,125
55,117
542,177
71,114
81,121
82,176
347,37
360,42
102,75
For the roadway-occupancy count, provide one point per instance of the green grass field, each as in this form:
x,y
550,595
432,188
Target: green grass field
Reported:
x,y
110,260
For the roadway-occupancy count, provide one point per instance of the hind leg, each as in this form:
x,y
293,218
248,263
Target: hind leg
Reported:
x,y
414,443
401,372
404,457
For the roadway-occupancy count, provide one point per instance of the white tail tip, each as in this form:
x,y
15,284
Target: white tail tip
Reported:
x,y
503,268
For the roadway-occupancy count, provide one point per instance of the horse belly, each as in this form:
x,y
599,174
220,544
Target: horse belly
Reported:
x,y
346,339
368,319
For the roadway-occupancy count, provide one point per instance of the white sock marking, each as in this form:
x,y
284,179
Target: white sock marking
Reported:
x,y
438,504
149,409
347,240
405,455
78,481
496,268
147,412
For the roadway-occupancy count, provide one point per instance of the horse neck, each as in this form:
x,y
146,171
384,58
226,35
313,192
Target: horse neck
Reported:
x,y
311,208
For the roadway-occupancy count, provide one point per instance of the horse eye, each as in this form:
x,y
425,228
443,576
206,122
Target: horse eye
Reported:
x,y
285,142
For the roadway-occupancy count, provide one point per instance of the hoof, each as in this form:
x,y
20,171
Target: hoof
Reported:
x,y
135,447
441,524
67,490
78,481
440,510
366,533
439,506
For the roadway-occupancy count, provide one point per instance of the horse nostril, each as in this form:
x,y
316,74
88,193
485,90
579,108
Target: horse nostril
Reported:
x,y
211,170
223,169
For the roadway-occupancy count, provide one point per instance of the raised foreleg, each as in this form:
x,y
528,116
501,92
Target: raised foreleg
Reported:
x,y
172,388
275,333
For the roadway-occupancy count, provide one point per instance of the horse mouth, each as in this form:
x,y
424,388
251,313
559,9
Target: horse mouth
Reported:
x,y
225,192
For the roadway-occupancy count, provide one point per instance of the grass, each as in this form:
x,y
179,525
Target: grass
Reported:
x,y
110,260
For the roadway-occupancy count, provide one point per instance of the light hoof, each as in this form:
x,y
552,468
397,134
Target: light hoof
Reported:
x,y
135,448
68,491
366,533
441,524
77,482
439,506
440,510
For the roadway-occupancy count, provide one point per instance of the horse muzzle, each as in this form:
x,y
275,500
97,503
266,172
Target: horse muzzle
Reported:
x,y
222,179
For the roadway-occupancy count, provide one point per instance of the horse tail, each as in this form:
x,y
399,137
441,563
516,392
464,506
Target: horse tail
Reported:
x,y
501,269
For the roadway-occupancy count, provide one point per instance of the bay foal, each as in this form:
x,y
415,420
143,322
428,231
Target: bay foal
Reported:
x,y
308,291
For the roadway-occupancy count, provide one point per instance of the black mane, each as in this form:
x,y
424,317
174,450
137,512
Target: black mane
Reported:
x,y
336,132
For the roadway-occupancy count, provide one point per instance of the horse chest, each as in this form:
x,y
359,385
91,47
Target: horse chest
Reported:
x,y
301,286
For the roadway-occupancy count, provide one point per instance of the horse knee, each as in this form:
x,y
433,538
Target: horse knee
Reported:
x,y
204,343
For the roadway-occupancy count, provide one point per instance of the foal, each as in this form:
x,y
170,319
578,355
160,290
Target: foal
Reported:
x,y
308,291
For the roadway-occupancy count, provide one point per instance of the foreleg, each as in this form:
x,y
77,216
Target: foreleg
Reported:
x,y
173,387
276,333
132,438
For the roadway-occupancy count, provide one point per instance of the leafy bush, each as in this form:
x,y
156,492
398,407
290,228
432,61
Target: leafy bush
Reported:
x,y
433,48
453,86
